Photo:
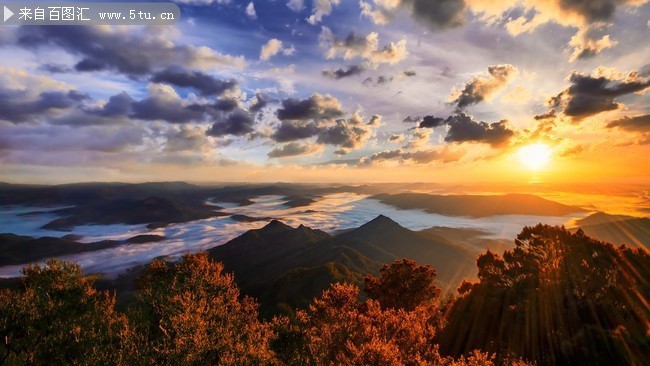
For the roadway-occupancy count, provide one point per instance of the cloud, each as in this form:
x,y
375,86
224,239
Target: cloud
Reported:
x,y
28,98
443,155
358,46
187,138
592,94
586,43
316,107
346,133
250,11
296,5
387,79
237,123
639,123
131,53
588,16
260,102
294,149
463,128
119,105
341,73
162,103
291,131
320,9
435,14
398,138
431,122
319,116
270,49
419,139
481,88
205,84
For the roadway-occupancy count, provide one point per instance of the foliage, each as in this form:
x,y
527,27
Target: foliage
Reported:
x,y
557,297
56,317
193,316
403,285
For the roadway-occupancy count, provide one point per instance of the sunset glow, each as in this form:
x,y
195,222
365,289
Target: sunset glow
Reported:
x,y
535,156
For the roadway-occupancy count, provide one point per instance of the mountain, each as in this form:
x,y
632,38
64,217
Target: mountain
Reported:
x,y
602,218
15,249
385,241
284,266
128,211
631,232
478,205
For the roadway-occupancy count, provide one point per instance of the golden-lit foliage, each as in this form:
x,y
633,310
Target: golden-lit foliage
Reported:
x,y
556,298
56,317
193,316
338,329
403,285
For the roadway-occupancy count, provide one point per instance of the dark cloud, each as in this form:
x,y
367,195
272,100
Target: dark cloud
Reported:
x,y
261,101
438,14
291,131
131,53
16,106
462,128
237,123
592,94
226,104
341,73
639,123
316,107
206,85
293,149
348,133
548,115
56,68
117,106
479,88
343,134
360,46
426,156
431,122
387,79
171,110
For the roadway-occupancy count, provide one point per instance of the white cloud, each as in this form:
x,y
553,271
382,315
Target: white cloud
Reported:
x,y
250,11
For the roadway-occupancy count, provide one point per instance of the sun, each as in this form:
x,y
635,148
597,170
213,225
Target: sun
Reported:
x,y
534,156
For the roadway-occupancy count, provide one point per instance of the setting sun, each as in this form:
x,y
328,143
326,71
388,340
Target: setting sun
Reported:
x,y
535,156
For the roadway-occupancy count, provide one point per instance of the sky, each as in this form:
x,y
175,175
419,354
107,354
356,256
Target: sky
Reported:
x,y
333,91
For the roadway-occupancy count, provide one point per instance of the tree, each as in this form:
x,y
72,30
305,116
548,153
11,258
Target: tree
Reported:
x,y
403,285
193,315
341,330
557,297
56,317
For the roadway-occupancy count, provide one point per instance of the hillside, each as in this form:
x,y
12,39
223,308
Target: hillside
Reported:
x,y
159,210
281,265
478,205
631,232
15,249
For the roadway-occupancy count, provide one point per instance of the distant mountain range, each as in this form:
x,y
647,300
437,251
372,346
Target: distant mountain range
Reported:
x,y
285,266
617,229
478,205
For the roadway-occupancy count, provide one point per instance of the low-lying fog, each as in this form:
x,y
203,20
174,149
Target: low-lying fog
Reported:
x,y
330,213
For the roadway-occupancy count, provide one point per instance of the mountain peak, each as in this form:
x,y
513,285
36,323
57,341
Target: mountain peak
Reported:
x,y
275,226
382,220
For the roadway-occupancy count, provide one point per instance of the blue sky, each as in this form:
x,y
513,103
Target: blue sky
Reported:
x,y
322,93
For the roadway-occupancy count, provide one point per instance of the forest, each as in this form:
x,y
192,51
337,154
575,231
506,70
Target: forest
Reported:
x,y
558,297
